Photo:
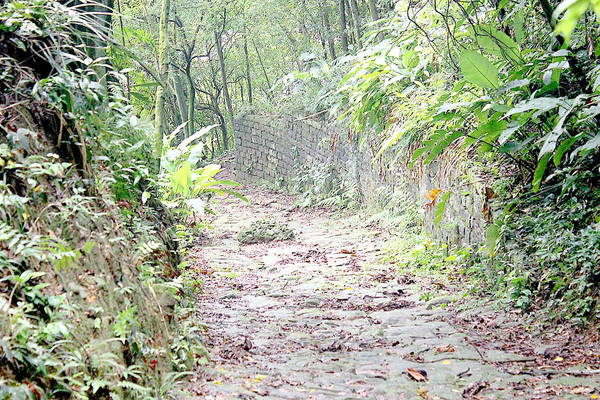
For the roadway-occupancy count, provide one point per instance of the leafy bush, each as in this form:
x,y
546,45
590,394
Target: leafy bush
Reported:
x,y
526,102
548,256
88,267
185,186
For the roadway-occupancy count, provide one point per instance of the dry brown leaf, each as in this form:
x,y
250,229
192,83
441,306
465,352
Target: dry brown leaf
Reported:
x,y
474,389
418,375
582,390
446,349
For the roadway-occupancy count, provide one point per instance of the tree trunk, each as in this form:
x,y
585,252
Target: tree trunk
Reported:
x,y
327,28
375,16
124,45
343,24
261,64
181,106
356,20
192,99
160,120
219,45
223,126
248,79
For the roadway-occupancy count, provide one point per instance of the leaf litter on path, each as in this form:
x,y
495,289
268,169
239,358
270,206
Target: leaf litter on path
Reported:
x,y
305,318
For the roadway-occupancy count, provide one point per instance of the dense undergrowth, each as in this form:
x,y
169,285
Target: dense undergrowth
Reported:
x,y
520,107
90,292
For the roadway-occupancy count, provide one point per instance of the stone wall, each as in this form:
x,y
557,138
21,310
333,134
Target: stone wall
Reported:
x,y
277,148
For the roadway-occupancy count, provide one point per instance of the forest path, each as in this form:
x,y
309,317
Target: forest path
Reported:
x,y
319,317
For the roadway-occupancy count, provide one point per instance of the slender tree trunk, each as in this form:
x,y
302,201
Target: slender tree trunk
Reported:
x,y
375,16
223,127
106,9
124,45
293,45
356,21
261,64
160,120
181,105
192,98
219,45
343,26
328,30
248,79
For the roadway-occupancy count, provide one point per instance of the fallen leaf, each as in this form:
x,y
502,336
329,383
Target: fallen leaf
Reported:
x,y
423,393
446,362
474,388
446,349
418,375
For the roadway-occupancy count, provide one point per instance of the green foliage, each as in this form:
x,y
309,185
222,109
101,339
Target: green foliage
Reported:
x,y
517,96
185,187
552,255
419,254
319,186
478,70
572,11
86,267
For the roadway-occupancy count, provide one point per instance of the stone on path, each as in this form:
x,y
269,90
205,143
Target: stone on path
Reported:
x,y
306,319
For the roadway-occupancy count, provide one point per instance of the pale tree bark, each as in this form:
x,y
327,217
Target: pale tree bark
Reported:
x,y
124,45
225,89
373,10
343,26
160,119
181,105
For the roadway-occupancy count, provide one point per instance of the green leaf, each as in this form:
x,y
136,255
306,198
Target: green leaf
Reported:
x,y
147,84
141,97
538,175
491,239
182,179
541,104
236,194
563,148
573,11
518,24
497,43
185,143
488,132
478,70
592,144
438,214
